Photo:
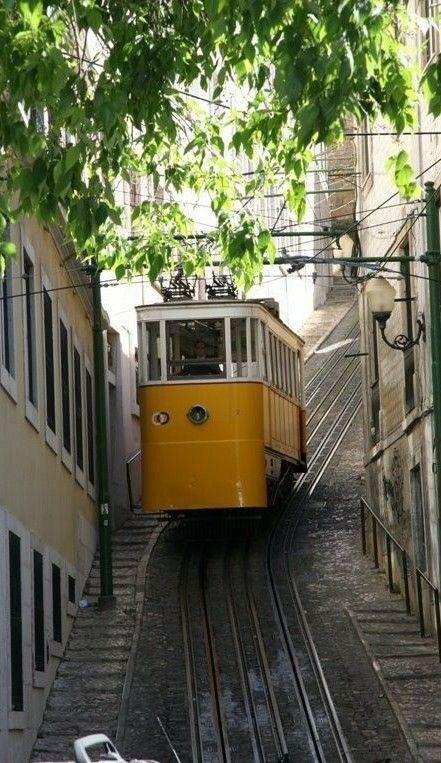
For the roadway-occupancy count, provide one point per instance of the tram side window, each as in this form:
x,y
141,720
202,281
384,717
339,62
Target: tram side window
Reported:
x,y
239,348
292,372
264,348
298,372
279,364
272,344
195,349
254,339
153,350
288,389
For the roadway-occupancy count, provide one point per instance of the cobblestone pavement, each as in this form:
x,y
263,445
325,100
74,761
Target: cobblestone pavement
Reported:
x,y
86,695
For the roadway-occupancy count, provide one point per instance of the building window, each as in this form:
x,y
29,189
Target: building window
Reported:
x,y
7,338
78,411
49,359
39,659
430,10
56,603
90,429
375,384
16,627
71,589
419,535
65,386
31,354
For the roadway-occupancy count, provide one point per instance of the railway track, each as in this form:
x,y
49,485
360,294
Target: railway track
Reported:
x,y
256,689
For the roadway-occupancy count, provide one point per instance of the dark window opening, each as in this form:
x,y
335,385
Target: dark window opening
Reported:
x,y
49,360
419,539
375,386
56,603
71,589
78,411
39,658
16,626
90,431
30,328
65,391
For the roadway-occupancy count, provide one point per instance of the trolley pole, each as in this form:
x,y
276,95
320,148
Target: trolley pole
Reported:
x,y
432,259
106,599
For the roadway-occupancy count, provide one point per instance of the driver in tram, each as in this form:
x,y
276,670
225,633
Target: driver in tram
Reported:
x,y
203,367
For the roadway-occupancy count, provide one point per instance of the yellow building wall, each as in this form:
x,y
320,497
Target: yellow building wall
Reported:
x,y
36,487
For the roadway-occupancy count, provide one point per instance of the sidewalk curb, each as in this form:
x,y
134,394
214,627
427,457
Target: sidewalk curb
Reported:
x,y
139,597
404,726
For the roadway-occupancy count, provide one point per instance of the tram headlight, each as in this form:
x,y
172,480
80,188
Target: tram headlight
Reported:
x,y
197,414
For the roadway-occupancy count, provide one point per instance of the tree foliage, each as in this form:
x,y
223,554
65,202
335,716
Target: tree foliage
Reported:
x,y
95,91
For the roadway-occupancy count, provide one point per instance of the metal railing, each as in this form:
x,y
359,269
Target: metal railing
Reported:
x,y
420,576
131,486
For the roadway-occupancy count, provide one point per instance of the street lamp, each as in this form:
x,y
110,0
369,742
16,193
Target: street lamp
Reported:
x,y
381,298
346,250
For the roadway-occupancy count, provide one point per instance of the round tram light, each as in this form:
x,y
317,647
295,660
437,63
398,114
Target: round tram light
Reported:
x,y
197,414
381,297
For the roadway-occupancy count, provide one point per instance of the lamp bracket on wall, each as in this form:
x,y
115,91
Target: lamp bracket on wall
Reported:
x,y
401,341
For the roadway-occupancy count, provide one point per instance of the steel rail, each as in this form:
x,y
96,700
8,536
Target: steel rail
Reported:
x,y
190,664
333,358
256,738
345,418
213,670
340,741
341,390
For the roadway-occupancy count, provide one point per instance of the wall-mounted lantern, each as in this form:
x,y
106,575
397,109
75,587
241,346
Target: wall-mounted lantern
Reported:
x,y
381,298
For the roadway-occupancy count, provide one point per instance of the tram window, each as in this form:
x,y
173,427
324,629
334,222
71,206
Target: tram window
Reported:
x,y
195,349
298,371
292,373
239,347
272,339
279,365
153,351
264,351
254,343
287,371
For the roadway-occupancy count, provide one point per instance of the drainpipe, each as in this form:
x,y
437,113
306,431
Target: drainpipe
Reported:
x,y
432,258
106,599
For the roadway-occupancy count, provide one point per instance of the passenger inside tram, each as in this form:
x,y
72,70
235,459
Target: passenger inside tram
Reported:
x,y
202,365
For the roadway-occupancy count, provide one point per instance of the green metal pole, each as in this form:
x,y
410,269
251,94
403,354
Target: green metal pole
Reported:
x,y
106,599
432,258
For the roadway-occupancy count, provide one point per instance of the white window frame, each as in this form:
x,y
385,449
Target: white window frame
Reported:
x,y
88,367
31,410
51,437
66,457
8,380
80,474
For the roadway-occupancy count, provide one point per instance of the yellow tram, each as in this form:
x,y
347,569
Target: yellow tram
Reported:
x,y
221,404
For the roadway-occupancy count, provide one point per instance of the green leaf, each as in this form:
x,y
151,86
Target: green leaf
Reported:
x,y
72,157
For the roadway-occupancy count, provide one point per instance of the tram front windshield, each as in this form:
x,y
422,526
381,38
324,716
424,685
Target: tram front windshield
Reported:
x,y
196,349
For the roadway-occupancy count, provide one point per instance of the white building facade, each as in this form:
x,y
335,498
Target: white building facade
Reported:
x,y
398,404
